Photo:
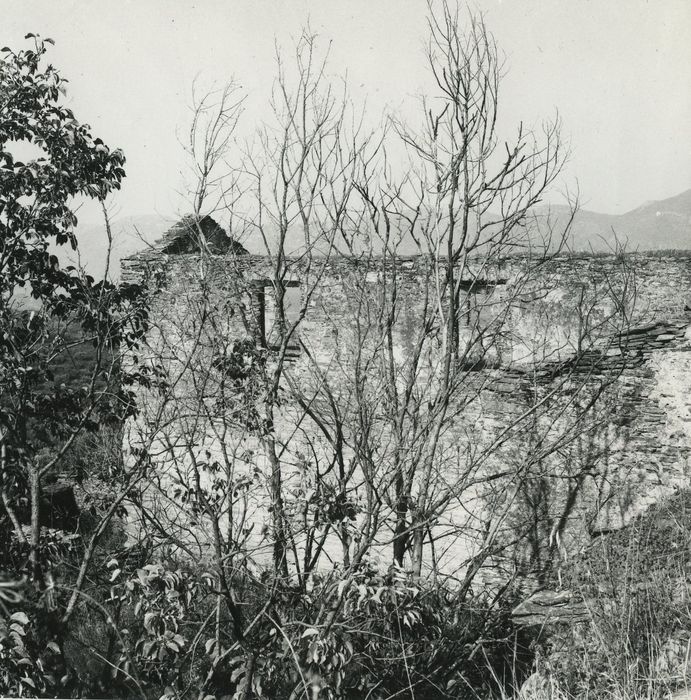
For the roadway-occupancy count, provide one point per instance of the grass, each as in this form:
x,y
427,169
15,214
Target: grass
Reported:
x,y
637,643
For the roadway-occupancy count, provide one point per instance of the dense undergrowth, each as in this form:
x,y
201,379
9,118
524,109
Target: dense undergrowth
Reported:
x,y
155,630
388,636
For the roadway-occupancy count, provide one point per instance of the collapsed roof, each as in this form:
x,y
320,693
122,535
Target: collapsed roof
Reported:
x,y
190,234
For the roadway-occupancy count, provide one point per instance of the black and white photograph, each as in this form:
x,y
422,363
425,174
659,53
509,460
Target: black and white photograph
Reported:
x,y
345,349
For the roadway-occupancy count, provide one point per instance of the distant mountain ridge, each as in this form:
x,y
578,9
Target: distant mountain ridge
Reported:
x,y
654,225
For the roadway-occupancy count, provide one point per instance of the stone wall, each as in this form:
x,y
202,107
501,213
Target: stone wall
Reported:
x,y
641,433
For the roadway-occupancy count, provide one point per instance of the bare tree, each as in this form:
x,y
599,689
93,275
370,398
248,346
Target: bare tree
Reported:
x,y
352,399
227,429
465,204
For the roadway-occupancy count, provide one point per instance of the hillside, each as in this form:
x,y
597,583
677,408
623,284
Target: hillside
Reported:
x,y
662,224
655,225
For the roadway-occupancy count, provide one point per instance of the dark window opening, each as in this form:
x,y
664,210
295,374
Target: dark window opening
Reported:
x,y
477,328
259,312
265,302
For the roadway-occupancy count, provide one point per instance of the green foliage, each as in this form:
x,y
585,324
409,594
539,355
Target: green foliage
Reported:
x,y
60,373
239,371
21,673
371,635
74,311
160,601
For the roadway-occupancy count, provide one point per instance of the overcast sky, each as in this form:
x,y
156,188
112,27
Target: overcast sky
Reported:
x,y
618,71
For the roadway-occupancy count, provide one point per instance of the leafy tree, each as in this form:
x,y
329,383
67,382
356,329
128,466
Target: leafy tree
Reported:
x,y
48,312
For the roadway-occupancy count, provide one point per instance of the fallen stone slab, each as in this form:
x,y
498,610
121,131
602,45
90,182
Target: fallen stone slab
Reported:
x,y
550,607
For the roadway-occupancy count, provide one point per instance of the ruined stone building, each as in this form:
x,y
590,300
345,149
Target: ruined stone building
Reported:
x,y
218,321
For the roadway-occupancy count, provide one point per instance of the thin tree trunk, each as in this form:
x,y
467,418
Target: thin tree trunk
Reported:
x,y
245,689
345,545
418,536
400,540
280,545
35,479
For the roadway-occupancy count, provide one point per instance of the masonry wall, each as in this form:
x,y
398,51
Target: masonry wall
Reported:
x,y
640,437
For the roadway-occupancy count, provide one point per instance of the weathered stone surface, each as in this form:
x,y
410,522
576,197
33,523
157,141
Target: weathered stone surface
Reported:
x,y
550,607
646,439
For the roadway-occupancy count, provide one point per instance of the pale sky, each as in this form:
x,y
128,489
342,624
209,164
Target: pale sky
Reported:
x,y
618,71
